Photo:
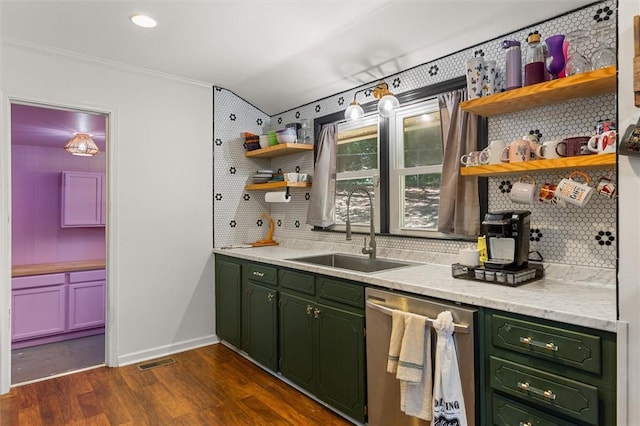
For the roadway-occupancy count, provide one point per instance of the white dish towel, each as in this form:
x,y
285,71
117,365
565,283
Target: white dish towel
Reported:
x,y
410,358
448,401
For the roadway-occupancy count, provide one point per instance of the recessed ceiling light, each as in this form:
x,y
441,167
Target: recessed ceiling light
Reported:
x,y
143,21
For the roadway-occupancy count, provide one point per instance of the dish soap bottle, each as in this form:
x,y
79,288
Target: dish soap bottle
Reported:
x,y
534,61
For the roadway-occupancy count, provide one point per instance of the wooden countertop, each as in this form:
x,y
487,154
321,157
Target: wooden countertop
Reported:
x,y
54,268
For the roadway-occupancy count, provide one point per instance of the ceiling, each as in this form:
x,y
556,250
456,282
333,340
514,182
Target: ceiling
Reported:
x,y
275,54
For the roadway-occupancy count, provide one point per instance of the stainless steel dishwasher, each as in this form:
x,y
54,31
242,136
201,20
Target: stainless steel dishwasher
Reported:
x,y
383,388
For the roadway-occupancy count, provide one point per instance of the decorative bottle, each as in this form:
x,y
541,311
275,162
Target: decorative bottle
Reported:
x,y
534,61
513,64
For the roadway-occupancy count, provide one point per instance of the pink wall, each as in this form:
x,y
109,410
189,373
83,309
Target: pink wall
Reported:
x,y
35,195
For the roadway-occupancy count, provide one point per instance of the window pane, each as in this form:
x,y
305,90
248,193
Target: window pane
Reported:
x,y
421,201
357,154
359,209
422,139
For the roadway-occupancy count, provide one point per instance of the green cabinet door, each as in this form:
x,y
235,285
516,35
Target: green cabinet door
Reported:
x,y
341,365
228,293
297,340
261,324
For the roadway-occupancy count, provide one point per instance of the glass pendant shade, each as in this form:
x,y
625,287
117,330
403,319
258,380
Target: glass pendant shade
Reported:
x,y
82,145
387,104
354,111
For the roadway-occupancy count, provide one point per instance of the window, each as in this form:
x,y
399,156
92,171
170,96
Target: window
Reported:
x,y
415,156
357,162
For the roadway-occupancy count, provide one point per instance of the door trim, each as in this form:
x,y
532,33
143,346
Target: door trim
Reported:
x,y
111,324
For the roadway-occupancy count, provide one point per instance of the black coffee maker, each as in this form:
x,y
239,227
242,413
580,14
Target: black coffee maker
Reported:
x,y
507,234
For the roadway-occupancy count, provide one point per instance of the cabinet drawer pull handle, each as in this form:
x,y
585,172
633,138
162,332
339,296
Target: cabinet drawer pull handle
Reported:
x,y
316,313
529,341
525,424
309,309
258,274
547,394
270,296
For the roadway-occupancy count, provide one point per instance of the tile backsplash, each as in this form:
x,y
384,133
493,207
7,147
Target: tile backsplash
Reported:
x,y
565,235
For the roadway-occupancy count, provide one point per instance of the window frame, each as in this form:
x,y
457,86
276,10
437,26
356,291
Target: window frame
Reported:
x,y
382,201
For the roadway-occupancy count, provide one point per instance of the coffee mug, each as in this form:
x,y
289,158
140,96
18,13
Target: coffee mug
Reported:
x,y
570,147
547,149
575,192
524,192
517,151
474,158
547,195
606,187
494,151
604,143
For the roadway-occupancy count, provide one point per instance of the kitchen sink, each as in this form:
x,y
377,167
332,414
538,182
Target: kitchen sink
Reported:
x,y
352,262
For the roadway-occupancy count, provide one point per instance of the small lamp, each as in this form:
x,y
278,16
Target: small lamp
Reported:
x,y
386,102
82,145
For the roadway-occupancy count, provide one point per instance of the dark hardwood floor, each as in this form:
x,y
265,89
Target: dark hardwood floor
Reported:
x,y
206,386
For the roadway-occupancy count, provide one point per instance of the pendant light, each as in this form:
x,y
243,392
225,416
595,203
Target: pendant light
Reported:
x,y
386,102
82,145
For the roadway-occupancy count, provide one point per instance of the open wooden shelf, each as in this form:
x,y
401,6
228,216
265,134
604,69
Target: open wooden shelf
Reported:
x,y
554,164
278,150
577,86
270,186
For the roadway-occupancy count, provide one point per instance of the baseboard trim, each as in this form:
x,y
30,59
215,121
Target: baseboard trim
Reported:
x,y
174,348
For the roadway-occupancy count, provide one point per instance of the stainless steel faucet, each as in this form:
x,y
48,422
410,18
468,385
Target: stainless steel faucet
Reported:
x,y
371,248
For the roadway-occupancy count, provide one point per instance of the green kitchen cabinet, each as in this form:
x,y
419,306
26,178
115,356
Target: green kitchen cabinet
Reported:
x,y
260,313
261,324
322,340
228,294
537,371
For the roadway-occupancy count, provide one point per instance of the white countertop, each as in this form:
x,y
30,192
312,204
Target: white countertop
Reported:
x,y
587,299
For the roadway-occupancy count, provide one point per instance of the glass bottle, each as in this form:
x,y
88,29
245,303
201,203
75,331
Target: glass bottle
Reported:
x,y
513,64
576,61
534,62
604,55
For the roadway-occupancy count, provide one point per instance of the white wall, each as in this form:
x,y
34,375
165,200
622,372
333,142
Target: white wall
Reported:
x,y
628,208
160,271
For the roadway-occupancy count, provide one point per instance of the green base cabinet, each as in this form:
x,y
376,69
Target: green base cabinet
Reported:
x,y
297,340
541,372
228,294
261,324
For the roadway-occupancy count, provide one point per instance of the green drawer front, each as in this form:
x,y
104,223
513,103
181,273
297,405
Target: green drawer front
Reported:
x,y
297,281
579,350
339,291
262,273
565,396
509,413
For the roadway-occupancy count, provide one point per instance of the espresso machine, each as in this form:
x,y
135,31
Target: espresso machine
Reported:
x,y
507,235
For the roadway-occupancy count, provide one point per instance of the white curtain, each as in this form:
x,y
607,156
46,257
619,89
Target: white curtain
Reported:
x,y
323,188
459,210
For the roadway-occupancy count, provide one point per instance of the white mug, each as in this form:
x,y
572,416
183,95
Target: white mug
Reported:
x,y
474,158
494,151
548,149
523,192
575,192
604,143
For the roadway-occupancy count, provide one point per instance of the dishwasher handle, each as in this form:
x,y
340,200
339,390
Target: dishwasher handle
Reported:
x,y
458,328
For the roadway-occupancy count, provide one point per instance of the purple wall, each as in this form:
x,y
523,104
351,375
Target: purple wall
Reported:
x,y
35,195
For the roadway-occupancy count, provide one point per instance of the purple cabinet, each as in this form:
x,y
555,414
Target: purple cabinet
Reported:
x,y
83,199
86,308
54,307
40,309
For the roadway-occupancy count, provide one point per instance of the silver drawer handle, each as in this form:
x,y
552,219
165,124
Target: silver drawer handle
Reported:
x,y
526,424
309,309
529,341
270,296
258,274
547,394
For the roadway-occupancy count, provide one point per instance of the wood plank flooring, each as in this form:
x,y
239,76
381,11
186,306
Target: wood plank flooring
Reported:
x,y
206,386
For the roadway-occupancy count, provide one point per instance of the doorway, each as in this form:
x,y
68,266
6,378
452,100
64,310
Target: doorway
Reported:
x,y
58,242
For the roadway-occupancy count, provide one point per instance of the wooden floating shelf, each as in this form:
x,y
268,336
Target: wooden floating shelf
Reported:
x,y
270,186
577,86
554,164
278,150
